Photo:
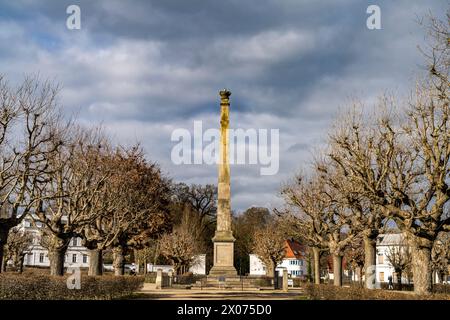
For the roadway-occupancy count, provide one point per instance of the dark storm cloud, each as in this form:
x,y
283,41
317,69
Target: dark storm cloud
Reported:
x,y
145,68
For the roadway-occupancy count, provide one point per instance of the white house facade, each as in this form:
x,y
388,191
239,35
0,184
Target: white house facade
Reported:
x,y
77,256
294,262
385,244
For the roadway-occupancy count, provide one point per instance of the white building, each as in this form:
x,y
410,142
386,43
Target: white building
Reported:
x,y
294,261
385,244
76,255
198,266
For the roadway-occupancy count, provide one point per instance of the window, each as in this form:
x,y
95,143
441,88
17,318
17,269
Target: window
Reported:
x,y
301,272
381,276
29,257
301,262
74,242
41,257
84,258
380,259
74,258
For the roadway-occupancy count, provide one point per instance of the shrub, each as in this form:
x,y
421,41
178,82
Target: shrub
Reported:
x,y
441,288
45,287
404,287
328,292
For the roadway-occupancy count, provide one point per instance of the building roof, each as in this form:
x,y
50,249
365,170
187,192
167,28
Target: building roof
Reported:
x,y
390,239
294,249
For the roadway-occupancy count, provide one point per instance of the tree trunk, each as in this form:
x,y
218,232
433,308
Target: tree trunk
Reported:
x,y
3,240
95,262
3,264
56,253
399,280
316,253
337,269
360,276
21,261
56,257
370,261
275,275
421,268
119,261
145,266
270,270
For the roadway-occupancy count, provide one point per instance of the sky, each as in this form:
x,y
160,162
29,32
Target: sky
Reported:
x,y
143,69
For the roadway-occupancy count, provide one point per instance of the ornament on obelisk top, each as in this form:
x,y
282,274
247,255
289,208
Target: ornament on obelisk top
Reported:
x,y
223,238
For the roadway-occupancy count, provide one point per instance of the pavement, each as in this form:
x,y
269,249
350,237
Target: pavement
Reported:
x,y
149,292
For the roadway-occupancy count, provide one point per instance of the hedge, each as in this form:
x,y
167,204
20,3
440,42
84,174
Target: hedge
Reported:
x,y
45,287
330,292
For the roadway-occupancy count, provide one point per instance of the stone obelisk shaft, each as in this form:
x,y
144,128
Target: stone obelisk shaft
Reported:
x,y
223,238
223,205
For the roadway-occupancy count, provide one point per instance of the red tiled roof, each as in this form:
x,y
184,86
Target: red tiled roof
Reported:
x,y
294,249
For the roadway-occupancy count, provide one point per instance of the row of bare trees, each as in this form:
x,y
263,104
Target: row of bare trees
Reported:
x,y
73,182
390,165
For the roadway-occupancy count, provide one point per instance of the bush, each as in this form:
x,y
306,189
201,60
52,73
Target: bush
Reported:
x,y
45,287
441,288
262,281
404,287
328,292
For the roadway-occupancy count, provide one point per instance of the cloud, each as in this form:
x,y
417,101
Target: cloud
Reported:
x,y
145,68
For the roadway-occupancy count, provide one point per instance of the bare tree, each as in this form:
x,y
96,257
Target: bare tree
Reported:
x,y
134,208
440,256
25,117
19,244
304,217
359,149
399,256
244,226
77,175
145,255
180,248
322,217
354,254
270,247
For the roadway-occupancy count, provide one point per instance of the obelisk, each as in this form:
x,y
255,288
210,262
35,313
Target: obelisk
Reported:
x,y
223,238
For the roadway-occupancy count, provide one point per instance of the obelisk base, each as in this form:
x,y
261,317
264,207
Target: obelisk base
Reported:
x,y
223,255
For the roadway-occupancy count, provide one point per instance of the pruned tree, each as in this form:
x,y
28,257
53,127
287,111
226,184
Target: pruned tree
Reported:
x,y
77,174
302,218
133,209
26,115
270,247
440,256
358,147
19,244
321,217
354,254
405,167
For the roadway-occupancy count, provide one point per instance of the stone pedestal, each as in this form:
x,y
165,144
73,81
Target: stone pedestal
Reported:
x,y
285,280
159,279
223,257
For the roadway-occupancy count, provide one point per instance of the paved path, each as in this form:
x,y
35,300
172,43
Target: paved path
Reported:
x,y
149,292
